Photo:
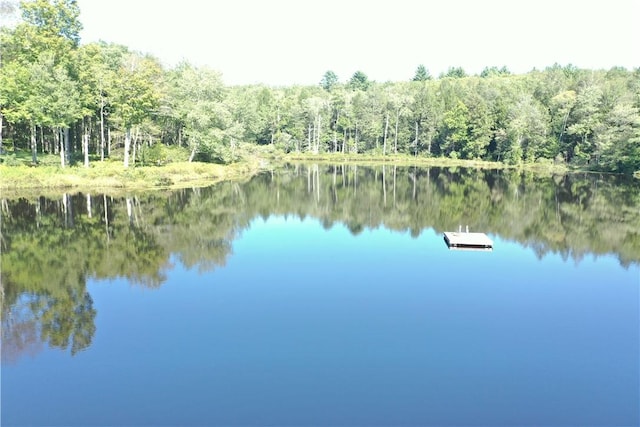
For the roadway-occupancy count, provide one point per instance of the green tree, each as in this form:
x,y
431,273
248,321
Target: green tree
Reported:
x,y
359,81
585,118
421,74
136,94
456,130
98,67
42,49
56,18
494,72
454,73
618,142
329,80
198,95
526,132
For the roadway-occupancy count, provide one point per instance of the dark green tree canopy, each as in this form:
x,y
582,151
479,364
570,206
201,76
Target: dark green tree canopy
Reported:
x,y
359,81
454,72
329,80
422,74
495,71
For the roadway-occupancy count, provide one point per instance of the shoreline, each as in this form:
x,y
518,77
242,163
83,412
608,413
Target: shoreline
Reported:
x,y
111,176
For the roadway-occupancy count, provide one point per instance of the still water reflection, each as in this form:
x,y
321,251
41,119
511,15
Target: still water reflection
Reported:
x,y
325,296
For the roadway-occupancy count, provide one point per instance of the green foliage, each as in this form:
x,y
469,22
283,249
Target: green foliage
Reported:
x,y
125,103
329,80
494,71
161,154
57,18
421,74
136,90
454,73
359,81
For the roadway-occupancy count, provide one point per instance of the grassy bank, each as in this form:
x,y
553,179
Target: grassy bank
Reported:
x,y
113,176
110,176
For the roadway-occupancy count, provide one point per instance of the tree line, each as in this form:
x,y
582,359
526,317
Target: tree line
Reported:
x,y
102,100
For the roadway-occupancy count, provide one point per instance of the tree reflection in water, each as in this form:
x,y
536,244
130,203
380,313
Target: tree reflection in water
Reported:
x,y
51,246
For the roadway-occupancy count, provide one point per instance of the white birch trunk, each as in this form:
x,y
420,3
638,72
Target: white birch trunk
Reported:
x,y
61,145
386,131
67,146
85,144
395,135
416,141
34,154
127,145
102,129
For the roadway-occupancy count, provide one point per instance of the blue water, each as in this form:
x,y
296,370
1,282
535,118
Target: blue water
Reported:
x,y
312,326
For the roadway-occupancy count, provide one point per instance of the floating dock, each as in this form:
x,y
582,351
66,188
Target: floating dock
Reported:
x,y
463,240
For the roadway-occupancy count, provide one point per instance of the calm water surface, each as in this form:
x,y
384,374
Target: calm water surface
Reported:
x,y
315,296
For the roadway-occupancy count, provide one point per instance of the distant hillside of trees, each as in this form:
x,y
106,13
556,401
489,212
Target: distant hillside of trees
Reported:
x,y
100,100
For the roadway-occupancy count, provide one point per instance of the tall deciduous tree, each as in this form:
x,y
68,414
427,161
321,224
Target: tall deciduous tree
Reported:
x,y
137,94
198,96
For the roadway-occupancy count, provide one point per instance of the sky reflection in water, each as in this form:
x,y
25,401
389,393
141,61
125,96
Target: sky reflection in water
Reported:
x,y
313,326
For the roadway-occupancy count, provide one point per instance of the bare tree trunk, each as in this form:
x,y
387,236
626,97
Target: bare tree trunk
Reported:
x,y
34,154
135,146
136,142
395,135
193,153
335,133
102,129
317,147
67,146
1,125
344,141
127,145
42,141
356,139
416,141
60,143
85,144
386,130
108,141
89,210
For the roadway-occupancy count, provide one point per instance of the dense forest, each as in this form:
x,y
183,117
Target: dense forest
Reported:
x,y
98,101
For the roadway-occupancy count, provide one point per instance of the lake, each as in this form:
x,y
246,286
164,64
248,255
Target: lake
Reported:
x,y
325,295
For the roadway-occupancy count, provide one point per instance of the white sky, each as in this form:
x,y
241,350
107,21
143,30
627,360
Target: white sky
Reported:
x,y
285,42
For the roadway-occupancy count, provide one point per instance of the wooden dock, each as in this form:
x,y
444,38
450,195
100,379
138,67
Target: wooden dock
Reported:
x,y
464,240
